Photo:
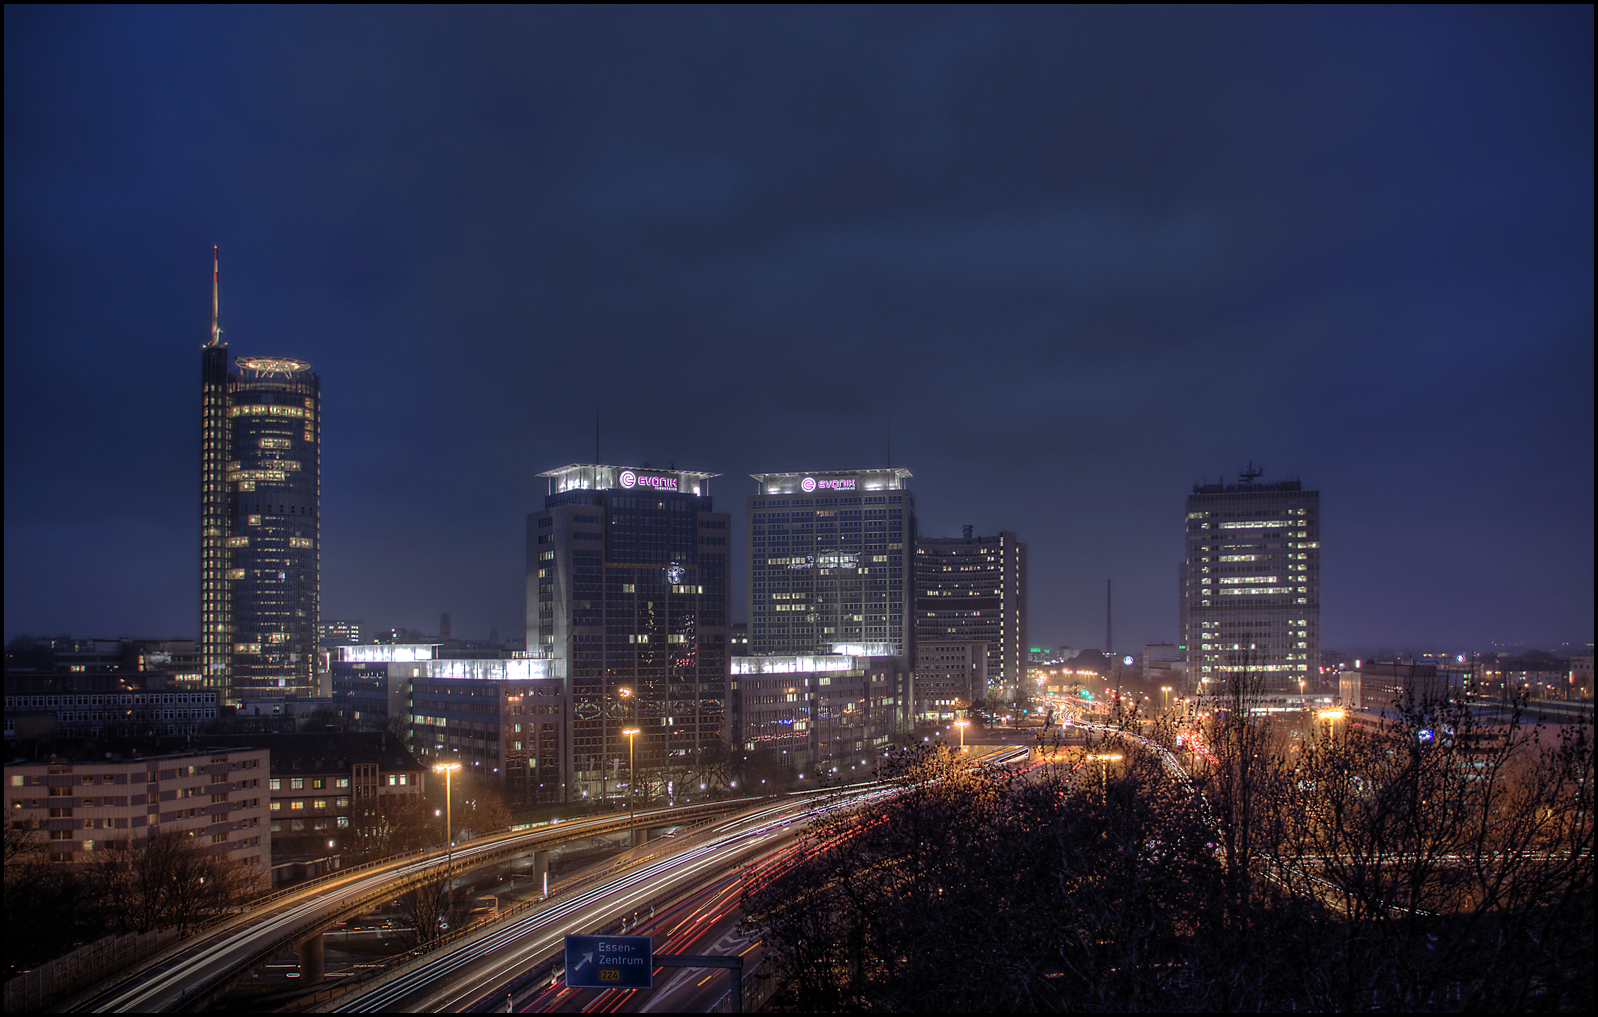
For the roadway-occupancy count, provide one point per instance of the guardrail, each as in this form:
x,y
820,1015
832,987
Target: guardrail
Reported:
x,y
561,892
555,962
39,988
482,851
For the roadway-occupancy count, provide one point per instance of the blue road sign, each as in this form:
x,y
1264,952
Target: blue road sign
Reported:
x,y
610,962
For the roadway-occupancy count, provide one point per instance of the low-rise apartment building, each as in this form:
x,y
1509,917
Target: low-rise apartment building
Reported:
x,y
83,806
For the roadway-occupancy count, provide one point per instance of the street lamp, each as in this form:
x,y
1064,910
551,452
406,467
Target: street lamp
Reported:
x,y
962,725
632,780
449,837
1331,717
1104,760
625,694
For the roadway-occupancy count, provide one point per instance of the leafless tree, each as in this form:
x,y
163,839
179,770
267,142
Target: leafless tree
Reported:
x,y
432,910
1239,769
1454,854
386,825
169,880
1434,862
976,891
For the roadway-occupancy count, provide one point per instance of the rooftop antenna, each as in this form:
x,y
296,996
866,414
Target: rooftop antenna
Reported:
x,y
1109,603
890,443
1249,475
216,328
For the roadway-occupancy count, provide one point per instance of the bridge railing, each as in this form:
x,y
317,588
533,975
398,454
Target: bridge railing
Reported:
x,y
481,851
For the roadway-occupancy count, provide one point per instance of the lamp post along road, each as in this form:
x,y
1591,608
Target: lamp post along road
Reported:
x,y
632,779
1105,759
449,830
627,694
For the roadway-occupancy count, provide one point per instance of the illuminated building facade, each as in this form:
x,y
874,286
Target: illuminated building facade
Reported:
x,y
1250,587
86,808
503,718
975,588
627,593
950,675
805,710
828,569
260,512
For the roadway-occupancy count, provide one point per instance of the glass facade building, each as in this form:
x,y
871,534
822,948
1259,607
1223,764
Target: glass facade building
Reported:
x,y
974,588
827,561
627,593
260,513
1251,586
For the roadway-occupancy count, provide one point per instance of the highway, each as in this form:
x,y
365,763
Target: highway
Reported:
x,y
196,967
703,922
482,965
190,975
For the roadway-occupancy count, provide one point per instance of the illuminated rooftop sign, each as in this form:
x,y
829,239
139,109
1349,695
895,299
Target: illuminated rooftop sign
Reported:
x,y
598,477
834,484
629,479
833,481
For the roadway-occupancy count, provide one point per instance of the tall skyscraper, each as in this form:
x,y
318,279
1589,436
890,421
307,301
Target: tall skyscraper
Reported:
x,y
974,588
260,517
827,563
1251,585
627,592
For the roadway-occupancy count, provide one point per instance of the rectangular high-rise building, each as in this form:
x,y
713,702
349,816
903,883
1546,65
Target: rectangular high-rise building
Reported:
x,y
1250,586
974,588
827,553
627,592
260,521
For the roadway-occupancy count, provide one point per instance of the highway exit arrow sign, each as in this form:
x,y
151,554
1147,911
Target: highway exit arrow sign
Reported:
x,y
610,962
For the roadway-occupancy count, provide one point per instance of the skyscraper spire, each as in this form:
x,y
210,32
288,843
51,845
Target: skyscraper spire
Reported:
x,y
216,327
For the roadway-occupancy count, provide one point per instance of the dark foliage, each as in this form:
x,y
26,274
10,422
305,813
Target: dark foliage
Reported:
x,y
164,881
1328,872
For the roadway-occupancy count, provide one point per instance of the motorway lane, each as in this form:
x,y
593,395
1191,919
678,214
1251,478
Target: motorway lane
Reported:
x,y
706,922
224,950
482,964
703,922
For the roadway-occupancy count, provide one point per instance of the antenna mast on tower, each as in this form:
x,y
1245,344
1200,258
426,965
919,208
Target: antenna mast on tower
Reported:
x,y
216,328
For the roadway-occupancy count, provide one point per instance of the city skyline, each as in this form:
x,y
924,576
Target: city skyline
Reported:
x,y
1062,265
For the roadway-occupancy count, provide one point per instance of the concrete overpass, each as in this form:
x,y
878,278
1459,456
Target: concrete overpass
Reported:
x,y
196,971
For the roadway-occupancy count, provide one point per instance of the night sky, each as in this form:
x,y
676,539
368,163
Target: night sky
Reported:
x,y
1074,260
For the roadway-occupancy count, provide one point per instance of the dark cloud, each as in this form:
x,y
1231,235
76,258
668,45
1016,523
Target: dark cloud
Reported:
x,y
1073,259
